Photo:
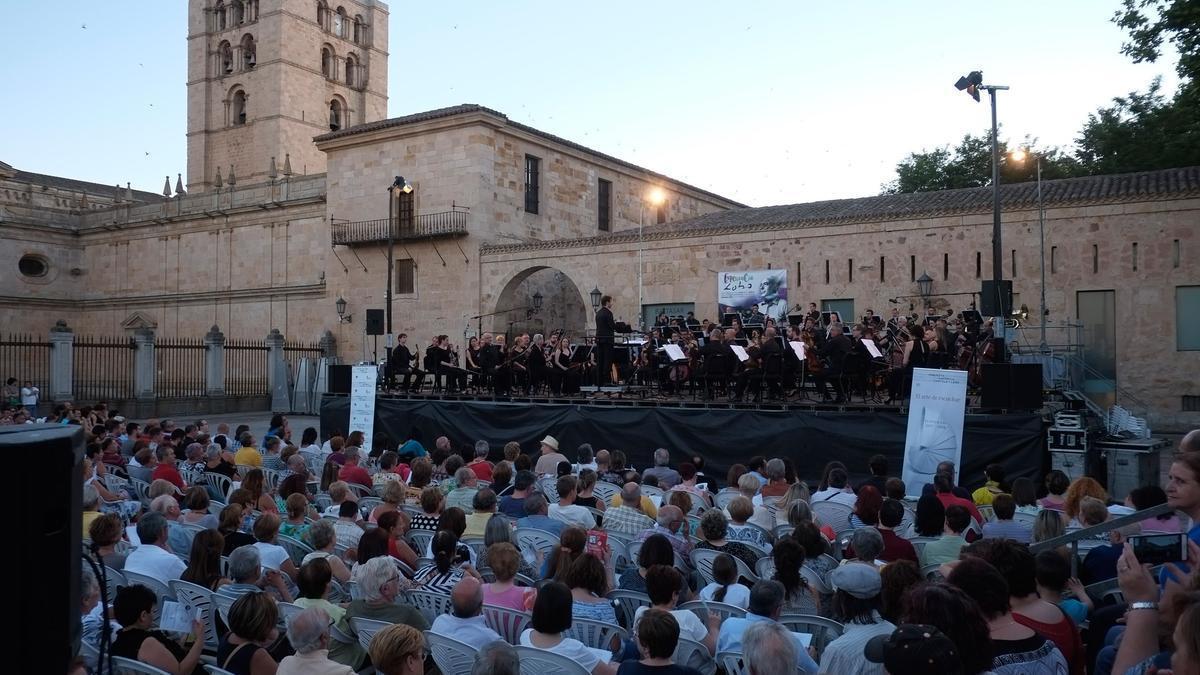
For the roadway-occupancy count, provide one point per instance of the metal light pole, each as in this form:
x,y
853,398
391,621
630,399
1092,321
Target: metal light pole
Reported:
x,y
1019,156
656,197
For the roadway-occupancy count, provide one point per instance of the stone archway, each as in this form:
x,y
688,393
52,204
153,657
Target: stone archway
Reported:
x,y
563,304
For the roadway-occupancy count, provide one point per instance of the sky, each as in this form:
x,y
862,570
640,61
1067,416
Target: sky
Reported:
x,y
764,102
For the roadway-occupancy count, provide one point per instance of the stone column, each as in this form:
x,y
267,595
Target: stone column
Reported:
x,y
214,362
143,364
329,347
62,362
277,373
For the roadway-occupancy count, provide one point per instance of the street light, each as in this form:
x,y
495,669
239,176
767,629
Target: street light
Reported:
x,y
924,285
1020,155
656,196
537,302
340,304
399,186
595,296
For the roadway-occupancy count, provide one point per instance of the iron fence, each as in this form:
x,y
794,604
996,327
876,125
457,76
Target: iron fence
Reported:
x,y
27,358
294,351
424,226
246,368
103,368
179,367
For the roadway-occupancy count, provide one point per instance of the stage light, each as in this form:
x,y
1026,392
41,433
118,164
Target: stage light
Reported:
x,y
970,83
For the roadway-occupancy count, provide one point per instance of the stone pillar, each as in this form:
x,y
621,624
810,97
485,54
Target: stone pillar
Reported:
x,y
214,362
329,347
143,364
62,362
274,357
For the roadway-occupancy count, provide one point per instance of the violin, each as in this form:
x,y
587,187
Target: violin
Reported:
x,y
810,351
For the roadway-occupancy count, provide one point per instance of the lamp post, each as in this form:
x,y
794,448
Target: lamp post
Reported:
x,y
1019,156
340,305
925,286
595,296
399,186
655,196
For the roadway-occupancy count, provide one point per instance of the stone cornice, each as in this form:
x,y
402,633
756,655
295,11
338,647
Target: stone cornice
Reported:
x,y
196,297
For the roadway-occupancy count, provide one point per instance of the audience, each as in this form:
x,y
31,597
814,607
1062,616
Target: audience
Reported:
x,y
465,623
379,585
766,604
627,517
666,476
323,537
856,605
663,585
658,634
725,587
897,579
308,633
993,486
398,650
513,505
552,614
466,487
946,548
252,624
133,608
566,509
537,518
914,649
713,531
504,560
496,658
1004,507
153,557
449,565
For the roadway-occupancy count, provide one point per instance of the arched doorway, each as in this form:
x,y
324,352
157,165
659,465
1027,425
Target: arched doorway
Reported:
x,y
562,308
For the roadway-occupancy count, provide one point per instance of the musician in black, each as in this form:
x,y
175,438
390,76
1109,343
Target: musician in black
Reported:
x,y
606,330
896,322
402,364
488,359
771,353
536,363
718,358
814,314
755,317
442,358
833,353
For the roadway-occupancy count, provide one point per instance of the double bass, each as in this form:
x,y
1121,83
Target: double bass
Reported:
x,y
811,360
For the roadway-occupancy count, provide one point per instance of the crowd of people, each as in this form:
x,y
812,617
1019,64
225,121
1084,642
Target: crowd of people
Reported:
x,y
758,570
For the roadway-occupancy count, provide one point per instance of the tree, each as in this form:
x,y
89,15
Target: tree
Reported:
x,y
970,165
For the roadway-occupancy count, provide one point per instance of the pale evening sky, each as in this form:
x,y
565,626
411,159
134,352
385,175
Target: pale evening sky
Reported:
x,y
766,102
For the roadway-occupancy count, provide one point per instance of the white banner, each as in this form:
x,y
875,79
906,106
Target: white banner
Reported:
x,y
935,424
362,403
738,291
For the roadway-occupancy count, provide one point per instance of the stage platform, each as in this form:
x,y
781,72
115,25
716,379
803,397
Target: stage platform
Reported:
x,y
723,433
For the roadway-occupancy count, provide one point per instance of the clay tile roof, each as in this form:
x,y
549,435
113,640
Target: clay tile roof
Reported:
x,y
95,189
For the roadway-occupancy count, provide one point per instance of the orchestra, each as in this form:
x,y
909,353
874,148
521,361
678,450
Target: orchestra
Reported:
x,y
746,357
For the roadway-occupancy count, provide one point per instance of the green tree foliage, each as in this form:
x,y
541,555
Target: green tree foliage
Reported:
x,y
969,164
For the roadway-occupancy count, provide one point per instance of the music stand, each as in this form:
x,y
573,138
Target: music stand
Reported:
x,y
581,354
666,332
795,320
753,326
728,317
971,316
825,318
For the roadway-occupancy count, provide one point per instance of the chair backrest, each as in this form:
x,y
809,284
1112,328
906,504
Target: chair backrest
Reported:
x,y
535,540
193,598
783,529
919,543
366,629
360,491
549,487
296,549
218,485
420,539
814,579
115,580
223,603
701,608
215,670
368,504
287,610
536,661
650,491
597,634
725,496
451,656
432,605
124,666
732,664
605,491
833,514
823,630
1026,519
765,567
160,590
476,544
692,654
508,622
986,511
626,603
702,559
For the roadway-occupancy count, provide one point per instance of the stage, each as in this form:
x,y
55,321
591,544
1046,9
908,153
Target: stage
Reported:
x,y
723,433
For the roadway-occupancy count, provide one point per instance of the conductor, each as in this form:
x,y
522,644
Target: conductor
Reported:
x,y
605,331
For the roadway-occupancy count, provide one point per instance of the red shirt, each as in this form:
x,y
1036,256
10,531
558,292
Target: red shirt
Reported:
x,y
1064,635
948,499
482,469
352,473
896,548
169,474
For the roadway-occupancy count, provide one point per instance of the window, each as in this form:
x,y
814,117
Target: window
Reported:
x,y
1013,265
239,108
219,15
1190,403
533,168
225,59
33,266
827,270
850,271
1095,259
323,14
660,213
351,70
327,57
335,115
1135,256
406,276
340,24
1053,259
1187,308
249,52
978,265
882,268
604,212
912,267
239,12
1175,255
359,37
798,277
945,266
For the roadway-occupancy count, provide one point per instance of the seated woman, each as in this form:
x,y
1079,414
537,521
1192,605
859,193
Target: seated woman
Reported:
x,y
504,560
866,509
217,461
432,501
296,524
323,538
570,546
252,621
420,477
133,608
260,494
295,484
274,556
588,579
656,550
498,530
393,497
815,548
373,544
448,566
714,529
196,503
663,584
105,533
398,650
725,587
388,472
551,616
1057,483
231,528
798,597
740,511
799,511
204,561
586,495
315,576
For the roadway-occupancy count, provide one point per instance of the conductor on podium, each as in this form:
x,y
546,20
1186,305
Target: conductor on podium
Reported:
x,y
605,332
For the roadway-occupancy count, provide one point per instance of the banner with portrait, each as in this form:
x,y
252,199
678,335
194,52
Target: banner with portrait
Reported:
x,y
738,292
935,424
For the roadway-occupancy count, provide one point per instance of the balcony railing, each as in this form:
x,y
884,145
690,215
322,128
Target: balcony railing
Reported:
x,y
444,224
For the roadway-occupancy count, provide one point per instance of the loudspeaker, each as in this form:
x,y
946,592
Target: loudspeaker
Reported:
x,y
339,379
1013,386
993,302
375,321
48,559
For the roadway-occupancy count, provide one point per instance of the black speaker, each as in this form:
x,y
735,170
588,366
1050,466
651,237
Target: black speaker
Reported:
x,y
1013,386
993,302
375,321
339,379
48,559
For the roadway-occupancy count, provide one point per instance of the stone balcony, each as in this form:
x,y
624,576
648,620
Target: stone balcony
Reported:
x,y
440,225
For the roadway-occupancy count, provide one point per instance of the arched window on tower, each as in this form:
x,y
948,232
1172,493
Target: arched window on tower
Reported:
x,y
337,115
359,32
340,23
238,110
249,52
351,70
224,59
327,61
323,14
251,11
238,12
219,15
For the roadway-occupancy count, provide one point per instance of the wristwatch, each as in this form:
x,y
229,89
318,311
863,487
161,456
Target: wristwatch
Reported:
x,y
1144,605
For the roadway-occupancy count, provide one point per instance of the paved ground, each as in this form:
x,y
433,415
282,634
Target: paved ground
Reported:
x,y
258,422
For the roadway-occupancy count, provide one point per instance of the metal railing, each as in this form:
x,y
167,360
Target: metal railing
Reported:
x,y
103,368
246,368
424,226
179,367
27,358
1073,538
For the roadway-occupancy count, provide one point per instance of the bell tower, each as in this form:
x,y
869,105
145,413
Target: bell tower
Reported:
x,y
266,76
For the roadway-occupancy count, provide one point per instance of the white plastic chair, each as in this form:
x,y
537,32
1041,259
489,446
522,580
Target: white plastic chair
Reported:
x,y
833,514
160,590
508,622
215,670
932,571
536,661
596,634
451,656
366,629
296,549
765,567
535,540
627,603
732,664
431,604
124,666
703,558
605,491
193,598
420,540
223,603
692,654
115,580
823,630
701,608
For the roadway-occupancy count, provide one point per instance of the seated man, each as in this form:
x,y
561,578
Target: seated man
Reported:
x,y
766,604
463,495
946,548
308,633
466,622
496,658
566,509
153,557
513,505
667,477
670,519
247,575
537,518
627,518
351,472
1004,527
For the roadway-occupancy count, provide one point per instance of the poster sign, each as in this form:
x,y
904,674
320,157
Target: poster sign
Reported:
x,y
935,424
737,292
362,402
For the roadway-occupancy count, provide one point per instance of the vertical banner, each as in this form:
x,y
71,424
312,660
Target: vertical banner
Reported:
x,y
737,292
362,403
935,424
